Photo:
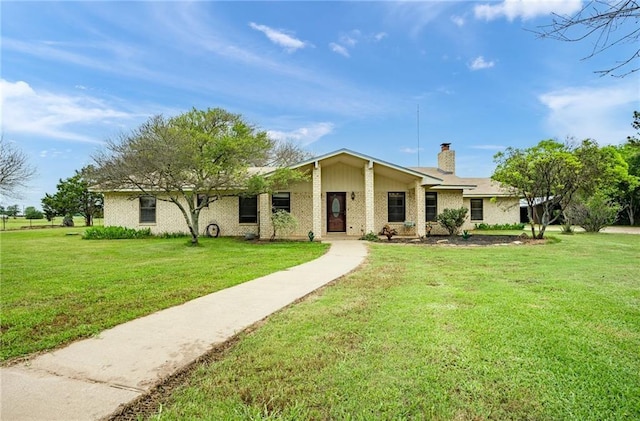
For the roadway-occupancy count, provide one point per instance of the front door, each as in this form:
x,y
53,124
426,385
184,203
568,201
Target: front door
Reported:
x,y
336,212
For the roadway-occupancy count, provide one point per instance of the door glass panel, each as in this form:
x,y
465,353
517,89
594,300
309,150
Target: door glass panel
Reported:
x,y
335,207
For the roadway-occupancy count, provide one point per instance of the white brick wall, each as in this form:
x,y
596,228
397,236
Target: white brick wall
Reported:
x,y
502,210
122,209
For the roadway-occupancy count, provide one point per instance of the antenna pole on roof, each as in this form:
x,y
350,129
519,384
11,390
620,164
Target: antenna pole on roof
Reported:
x,y
418,123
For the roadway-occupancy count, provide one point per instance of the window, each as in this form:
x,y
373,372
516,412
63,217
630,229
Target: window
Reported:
x,y
476,210
202,198
281,201
395,203
147,210
248,210
431,206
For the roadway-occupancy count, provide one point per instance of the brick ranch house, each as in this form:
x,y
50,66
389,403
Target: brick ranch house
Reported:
x,y
347,194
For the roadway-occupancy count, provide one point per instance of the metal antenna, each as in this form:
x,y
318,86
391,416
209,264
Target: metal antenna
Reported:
x,y
418,123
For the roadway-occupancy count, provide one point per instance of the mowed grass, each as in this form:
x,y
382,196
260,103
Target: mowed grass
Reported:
x,y
21,222
534,332
57,287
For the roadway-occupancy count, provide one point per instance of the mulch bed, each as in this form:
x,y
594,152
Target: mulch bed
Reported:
x,y
474,240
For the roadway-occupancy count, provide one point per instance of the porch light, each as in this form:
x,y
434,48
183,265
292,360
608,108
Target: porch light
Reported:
x,y
353,196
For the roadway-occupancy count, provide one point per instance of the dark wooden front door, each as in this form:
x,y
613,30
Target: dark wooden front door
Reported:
x,y
336,212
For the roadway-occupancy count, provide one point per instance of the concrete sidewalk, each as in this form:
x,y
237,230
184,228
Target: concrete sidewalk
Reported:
x,y
89,379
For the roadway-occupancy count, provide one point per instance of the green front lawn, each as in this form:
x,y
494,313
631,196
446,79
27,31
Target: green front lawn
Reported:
x,y
518,332
57,287
21,222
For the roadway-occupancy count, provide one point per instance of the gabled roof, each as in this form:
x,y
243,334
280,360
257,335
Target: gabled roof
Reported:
x,y
427,179
449,180
472,187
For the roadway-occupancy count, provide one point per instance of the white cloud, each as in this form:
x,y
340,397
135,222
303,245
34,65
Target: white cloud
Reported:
x,y
337,48
480,63
352,38
458,21
280,38
526,9
411,150
602,113
489,147
380,36
53,153
414,16
26,110
304,135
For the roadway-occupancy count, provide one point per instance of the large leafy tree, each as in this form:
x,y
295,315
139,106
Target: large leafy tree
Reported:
x,y
552,175
191,160
73,196
626,190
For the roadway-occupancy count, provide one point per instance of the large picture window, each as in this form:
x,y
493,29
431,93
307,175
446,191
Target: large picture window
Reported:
x,y
281,201
431,206
477,210
248,210
396,207
147,210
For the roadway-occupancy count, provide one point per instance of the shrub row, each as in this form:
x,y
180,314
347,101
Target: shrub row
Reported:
x,y
502,227
115,233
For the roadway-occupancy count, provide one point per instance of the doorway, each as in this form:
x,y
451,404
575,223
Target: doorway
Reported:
x,y
337,212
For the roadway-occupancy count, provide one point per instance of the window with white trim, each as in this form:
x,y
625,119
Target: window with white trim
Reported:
x,y
396,207
147,210
281,201
431,206
477,209
248,209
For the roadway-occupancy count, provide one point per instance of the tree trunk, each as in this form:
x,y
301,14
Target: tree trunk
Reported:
x,y
194,227
191,218
532,222
630,212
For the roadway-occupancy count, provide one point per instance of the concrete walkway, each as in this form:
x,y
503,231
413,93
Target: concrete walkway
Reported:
x,y
89,379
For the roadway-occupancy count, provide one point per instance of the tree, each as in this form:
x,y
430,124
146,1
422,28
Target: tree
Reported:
x,y
636,125
190,160
593,213
32,213
542,175
608,24
15,170
48,207
626,190
551,176
13,210
74,197
285,153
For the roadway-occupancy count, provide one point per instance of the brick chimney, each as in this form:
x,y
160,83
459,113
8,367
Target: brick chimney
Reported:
x,y
447,159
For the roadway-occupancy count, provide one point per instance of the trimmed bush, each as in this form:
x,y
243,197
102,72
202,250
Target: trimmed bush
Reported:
x,y
452,219
115,233
371,236
283,223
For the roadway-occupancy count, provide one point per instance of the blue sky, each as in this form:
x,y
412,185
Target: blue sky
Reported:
x,y
329,75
